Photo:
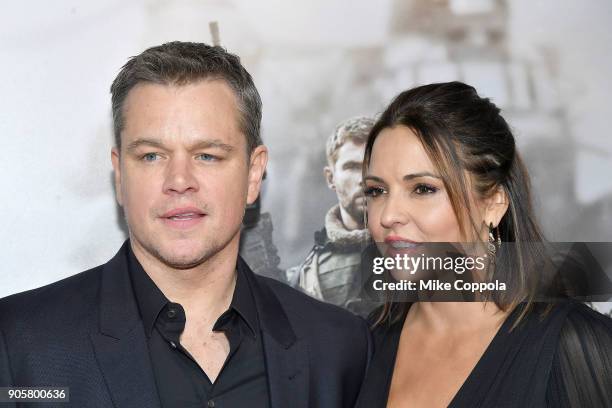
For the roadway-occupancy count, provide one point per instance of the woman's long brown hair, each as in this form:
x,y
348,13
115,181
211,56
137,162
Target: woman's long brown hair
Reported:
x,y
464,133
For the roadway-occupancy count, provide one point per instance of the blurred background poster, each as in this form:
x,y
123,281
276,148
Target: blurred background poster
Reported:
x,y
316,63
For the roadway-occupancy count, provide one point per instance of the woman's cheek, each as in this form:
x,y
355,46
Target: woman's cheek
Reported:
x,y
439,224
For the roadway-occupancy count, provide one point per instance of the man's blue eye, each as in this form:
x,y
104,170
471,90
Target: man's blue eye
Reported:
x,y
206,157
150,157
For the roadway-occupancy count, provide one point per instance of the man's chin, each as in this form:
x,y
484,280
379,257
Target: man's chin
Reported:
x,y
357,209
183,261
183,256
358,215
184,252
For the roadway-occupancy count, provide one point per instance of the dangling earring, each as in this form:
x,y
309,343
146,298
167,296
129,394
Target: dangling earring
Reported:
x,y
498,237
491,245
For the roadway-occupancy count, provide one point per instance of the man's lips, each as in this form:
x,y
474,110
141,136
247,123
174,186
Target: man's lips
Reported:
x,y
184,217
184,212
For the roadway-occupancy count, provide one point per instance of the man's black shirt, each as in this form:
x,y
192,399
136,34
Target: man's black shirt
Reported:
x,y
242,381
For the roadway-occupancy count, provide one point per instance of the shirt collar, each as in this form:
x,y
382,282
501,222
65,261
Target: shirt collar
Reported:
x,y
243,302
151,300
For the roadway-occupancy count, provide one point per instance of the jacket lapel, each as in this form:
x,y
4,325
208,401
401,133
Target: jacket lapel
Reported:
x,y
120,345
286,355
287,373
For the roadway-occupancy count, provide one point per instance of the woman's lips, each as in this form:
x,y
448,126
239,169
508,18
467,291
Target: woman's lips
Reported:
x,y
400,242
398,246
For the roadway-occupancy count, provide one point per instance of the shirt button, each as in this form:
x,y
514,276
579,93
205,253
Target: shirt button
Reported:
x,y
173,344
211,404
171,313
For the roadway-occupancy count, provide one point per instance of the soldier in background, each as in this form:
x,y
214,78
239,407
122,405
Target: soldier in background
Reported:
x,y
330,272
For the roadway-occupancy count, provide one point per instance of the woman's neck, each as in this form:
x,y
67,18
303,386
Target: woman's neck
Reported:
x,y
440,317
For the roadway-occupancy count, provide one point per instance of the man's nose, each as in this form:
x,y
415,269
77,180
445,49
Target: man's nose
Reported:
x,y
180,176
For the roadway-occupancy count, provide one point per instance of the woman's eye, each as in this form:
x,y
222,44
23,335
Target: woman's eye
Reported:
x,y
422,189
149,157
373,191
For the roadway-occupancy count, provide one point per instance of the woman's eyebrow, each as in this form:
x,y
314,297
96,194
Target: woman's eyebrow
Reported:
x,y
411,176
373,178
407,177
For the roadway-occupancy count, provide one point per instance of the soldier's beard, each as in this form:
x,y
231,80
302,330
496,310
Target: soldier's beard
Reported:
x,y
356,210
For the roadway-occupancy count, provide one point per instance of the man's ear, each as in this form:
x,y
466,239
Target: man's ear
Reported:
x,y
257,168
329,177
115,159
495,207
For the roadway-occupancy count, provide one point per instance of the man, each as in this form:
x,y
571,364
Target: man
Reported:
x,y
331,269
176,318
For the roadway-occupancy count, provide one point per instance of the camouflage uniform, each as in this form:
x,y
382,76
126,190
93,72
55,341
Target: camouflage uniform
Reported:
x,y
330,272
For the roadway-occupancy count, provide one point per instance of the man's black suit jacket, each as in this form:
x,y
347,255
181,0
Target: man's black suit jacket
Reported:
x,y
85,332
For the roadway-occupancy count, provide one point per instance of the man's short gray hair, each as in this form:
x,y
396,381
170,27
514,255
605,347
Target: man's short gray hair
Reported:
x,y
181,63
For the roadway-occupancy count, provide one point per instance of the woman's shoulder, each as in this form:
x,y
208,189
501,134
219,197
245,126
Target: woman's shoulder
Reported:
x,y
568,315
586,334
582,322
588,317
582,369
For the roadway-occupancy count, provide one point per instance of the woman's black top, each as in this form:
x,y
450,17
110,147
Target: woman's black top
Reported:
x,y
561,359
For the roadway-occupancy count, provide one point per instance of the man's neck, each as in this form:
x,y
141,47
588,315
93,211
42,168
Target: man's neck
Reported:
x,y
203,289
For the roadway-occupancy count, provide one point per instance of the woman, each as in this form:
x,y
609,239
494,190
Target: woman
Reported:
x,y
441,166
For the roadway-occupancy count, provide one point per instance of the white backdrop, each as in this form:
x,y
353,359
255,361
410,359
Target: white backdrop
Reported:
x,y
315,63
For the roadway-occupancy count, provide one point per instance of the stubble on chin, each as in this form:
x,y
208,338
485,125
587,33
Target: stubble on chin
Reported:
x,y
176,258
180,249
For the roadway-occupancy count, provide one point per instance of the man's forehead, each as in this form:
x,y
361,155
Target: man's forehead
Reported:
x,y
350,151
190,113
181,86
200,91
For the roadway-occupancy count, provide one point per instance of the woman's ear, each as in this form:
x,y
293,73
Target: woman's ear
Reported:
x,y
495,207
